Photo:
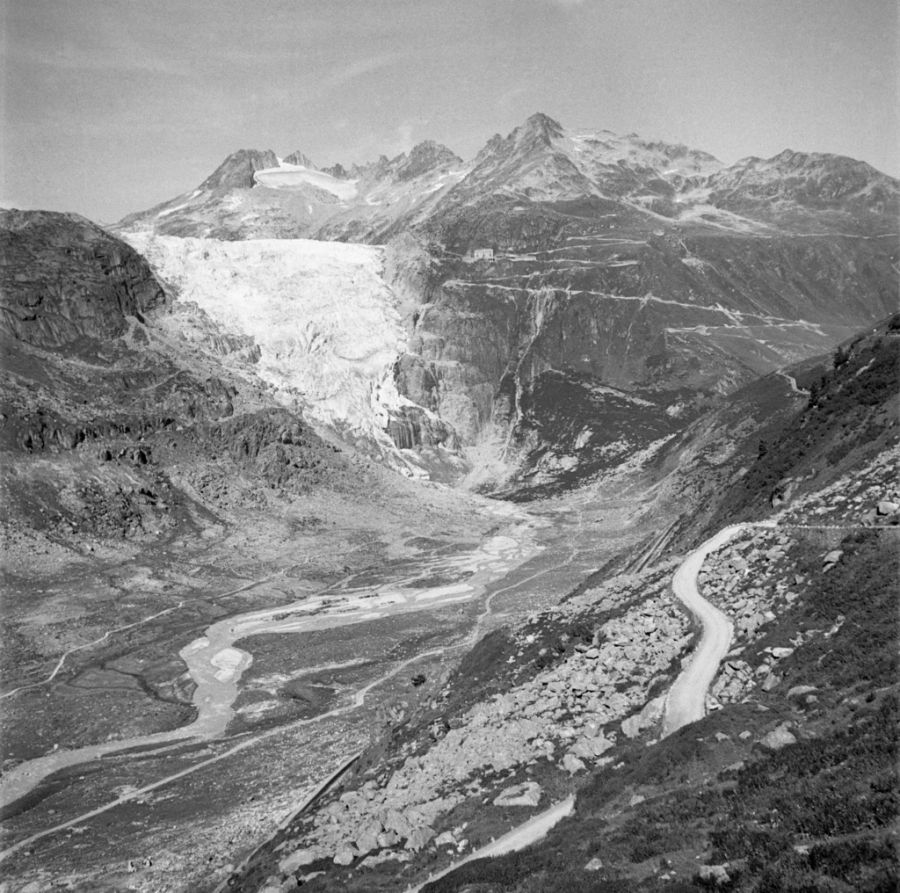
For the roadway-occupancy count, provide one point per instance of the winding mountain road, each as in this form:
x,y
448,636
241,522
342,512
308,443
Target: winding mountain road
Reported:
x,y
686,701
517,839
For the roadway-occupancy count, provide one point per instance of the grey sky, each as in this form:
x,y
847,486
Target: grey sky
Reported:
x,y
110,106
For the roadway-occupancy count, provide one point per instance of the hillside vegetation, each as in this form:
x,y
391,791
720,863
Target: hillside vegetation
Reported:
x,y
790,789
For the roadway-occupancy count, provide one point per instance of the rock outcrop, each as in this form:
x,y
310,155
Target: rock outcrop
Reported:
x,y
237,170
63,279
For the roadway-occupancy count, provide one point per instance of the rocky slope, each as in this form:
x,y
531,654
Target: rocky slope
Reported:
x,y
791,783
768,791
559,261
100,362
787,434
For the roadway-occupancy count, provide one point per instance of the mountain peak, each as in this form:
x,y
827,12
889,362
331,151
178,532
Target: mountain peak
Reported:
x,y
426,156
543,122
543,126
299,159
236,171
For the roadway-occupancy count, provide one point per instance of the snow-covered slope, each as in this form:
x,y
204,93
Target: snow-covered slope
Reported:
x,y
327,325
294,176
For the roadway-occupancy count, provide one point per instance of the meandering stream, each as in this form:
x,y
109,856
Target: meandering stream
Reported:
x,y
216,664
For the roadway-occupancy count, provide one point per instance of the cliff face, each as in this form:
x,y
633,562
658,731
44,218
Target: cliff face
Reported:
x,y
677,317
63,279
237,170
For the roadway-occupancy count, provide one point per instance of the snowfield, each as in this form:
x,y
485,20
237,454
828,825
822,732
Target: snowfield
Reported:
x,y
294,176
326,323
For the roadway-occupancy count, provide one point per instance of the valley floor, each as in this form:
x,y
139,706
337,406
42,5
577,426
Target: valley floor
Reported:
x,y
106,783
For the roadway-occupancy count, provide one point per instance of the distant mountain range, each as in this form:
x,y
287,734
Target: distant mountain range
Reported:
x,y
256,194
560,275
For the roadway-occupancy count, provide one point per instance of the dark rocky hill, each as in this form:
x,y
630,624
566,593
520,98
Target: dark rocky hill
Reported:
x,y
63,279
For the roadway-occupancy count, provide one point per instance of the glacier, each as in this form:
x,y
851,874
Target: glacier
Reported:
x,y
328,326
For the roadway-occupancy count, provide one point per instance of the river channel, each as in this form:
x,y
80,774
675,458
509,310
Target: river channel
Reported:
x,y
216,664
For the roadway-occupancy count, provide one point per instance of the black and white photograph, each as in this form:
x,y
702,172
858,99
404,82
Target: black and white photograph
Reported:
x,y
449,447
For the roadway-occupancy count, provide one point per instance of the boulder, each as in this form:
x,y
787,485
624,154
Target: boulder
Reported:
x,y
778,738
526,794
397,822
367,841
419,838
446,839
572,764
298,859
886,507
388,839
651,713
582,748
345,856
714,874
780,652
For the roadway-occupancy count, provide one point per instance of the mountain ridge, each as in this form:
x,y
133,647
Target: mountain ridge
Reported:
x,y
624,164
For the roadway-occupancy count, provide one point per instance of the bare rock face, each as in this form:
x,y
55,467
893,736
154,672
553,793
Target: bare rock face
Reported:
x,y
237,170
425,157
411,426
792,183
63,279
300,159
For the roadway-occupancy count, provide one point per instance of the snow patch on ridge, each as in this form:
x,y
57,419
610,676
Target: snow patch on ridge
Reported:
x,y
296,176
327,325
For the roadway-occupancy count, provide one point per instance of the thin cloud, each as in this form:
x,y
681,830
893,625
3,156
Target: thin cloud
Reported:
x,y
360,67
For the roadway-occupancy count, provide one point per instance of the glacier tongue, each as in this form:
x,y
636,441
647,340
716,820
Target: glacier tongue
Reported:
x,y
327,325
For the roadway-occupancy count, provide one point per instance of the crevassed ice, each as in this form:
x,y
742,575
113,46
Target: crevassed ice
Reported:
x,y
327,325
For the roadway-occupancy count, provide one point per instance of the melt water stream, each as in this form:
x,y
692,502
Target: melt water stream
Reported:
x,y
216,665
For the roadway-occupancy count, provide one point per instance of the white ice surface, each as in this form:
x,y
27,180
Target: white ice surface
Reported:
x,y
327,325
292,176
